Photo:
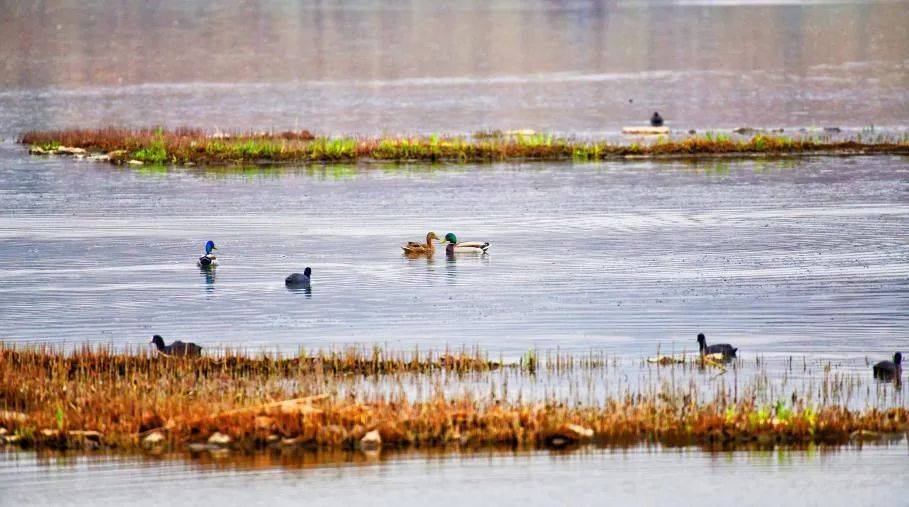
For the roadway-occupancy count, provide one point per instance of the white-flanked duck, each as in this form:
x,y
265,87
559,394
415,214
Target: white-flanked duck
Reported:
x,y
209,258
299,280
724,349
454,246
177,348
888,370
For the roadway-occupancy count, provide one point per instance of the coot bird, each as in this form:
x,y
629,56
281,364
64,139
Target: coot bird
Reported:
x,y
656,120
296,279
209,258
887,370
727,350
177,348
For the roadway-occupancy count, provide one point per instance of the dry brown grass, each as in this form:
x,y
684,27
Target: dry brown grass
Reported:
x,y
96,397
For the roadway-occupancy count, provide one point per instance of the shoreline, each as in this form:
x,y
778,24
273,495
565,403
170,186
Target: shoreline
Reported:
x,y
194,147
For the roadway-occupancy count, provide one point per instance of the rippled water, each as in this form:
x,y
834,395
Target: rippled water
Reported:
x,y
374,66
777,257
874,475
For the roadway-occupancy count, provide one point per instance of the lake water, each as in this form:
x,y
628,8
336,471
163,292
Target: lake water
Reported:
x,y
374,66
874,475
806,258
778,257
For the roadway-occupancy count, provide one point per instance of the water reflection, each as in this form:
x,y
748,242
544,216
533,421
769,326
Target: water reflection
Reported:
x,y
208,274
847,476
306,289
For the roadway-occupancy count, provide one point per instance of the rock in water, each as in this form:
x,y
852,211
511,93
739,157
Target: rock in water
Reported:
x,y
219,438
371,441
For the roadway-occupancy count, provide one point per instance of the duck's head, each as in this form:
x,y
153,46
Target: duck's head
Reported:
x,y
702,340
451,238
431,236
897,358
158,341
209,247
307,272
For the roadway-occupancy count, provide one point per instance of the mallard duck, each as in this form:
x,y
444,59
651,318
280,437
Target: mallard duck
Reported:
x,y
416,248
454,246
298,280
887,370
209,258
177,348
725,350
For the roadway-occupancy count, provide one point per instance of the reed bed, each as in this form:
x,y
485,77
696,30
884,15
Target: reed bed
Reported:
x,y
95,397
195,147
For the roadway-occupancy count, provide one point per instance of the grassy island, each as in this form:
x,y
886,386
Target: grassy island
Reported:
x,y
196,147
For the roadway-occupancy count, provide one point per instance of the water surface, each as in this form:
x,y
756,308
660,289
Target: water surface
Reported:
x,y
874,475
372,66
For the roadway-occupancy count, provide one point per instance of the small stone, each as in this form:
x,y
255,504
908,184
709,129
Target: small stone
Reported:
x,y
219,438
69,150
153,439
271,439
290,442
3,431
49,433
371,441
37,150
569,434
103,157
135,162
580,432
865,435
86,434
196,447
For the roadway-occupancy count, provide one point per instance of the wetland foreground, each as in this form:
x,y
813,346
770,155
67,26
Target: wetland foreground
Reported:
x,y
367,399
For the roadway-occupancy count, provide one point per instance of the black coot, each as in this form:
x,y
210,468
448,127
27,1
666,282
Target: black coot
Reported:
x,y
177,348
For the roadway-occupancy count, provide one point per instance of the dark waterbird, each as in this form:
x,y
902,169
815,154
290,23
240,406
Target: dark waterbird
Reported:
x,y
728,351
296,279
656,120
888,370
177,348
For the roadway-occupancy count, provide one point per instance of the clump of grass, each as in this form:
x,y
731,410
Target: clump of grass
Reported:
x,y
193,146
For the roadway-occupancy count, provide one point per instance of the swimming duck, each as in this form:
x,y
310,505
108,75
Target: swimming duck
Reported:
x,y
209,258
454,246
727,351
887,370
177,348
296,279
656,120
416,248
